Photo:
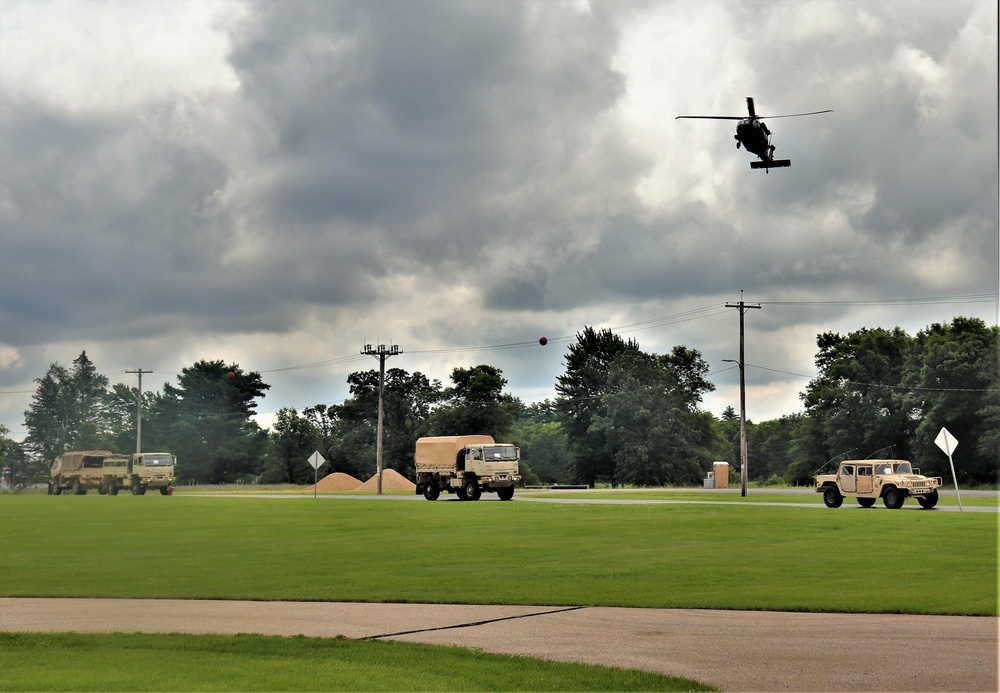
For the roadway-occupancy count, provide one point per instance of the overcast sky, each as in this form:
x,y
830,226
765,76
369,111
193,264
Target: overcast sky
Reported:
x,y
277,184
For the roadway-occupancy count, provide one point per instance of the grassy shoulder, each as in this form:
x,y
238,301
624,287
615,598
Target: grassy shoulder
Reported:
x,y
722,556
148,662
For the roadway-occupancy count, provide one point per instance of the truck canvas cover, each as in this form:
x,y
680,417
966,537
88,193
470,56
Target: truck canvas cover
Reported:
x,y
433,452
86,459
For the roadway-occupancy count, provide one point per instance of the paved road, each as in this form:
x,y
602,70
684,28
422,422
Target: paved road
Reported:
x,y
592,496
732,650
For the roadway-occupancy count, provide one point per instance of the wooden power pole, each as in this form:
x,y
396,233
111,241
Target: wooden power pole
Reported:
x,y
138,411
381,352
743,307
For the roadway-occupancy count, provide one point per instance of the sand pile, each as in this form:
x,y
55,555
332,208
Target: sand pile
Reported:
x,y
391,481
338,481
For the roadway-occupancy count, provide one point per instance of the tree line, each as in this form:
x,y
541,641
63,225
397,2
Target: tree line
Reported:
x,y
621,416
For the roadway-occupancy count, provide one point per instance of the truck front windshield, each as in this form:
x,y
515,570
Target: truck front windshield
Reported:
x,y
158,460
505,453
903,468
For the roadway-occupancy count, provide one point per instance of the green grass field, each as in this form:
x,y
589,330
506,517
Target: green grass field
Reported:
x,y
730,556
683,556
176,662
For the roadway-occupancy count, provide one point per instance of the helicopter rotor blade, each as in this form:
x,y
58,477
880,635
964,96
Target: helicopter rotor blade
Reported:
x,y
795,115
714,117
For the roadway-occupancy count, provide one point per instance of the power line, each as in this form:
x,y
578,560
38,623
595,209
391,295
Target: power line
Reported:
x,y
924,300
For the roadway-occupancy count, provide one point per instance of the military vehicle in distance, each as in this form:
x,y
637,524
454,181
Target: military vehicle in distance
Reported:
x,y
466,466
80,471
868,480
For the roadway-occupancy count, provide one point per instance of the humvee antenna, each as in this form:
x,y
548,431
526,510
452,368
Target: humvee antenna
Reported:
x,y
887,447
834,458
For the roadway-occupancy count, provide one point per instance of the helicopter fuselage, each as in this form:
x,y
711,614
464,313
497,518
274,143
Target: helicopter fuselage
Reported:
x,y
755,137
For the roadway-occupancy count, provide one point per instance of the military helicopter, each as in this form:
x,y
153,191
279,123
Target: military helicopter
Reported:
x,y
753,134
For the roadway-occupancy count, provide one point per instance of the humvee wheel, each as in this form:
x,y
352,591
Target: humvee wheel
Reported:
x,y
866,502
471,489
832,497
893,498
505,493
929,501
431,490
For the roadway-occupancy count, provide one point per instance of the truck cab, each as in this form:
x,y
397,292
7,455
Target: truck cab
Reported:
x,y
151,470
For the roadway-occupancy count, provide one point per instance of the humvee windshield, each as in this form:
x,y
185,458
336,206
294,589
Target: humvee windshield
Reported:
x,y
506,453
903,468
883,469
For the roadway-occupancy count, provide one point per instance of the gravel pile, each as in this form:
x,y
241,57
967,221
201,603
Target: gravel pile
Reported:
x,y
338,481
391,481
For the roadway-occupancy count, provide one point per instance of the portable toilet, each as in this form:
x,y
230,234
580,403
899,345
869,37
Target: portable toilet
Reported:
x,y
721,474
710,480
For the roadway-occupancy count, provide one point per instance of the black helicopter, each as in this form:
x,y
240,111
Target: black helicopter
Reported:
x,y
753,134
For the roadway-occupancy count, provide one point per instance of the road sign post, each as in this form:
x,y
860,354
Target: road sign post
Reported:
x,y
317,461
947,442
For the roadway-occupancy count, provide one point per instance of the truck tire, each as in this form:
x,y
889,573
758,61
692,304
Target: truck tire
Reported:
x,y
832,497
102,489
137,488
471,489
431,490
164,491
929,501
893,498
866,502
505,493
113,489
78,488
50,488
57,487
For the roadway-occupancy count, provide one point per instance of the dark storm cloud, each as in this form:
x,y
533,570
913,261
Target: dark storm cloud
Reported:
x,y
101,213
426,125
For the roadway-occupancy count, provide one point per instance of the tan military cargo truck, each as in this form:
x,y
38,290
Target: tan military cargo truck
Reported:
x,y
868,480
466,466
80,471
140,472
77,471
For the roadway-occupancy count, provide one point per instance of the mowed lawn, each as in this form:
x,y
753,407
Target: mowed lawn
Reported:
x,y
679,556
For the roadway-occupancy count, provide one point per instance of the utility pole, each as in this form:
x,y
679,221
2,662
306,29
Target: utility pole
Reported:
x,y
744,307
138,411
381,352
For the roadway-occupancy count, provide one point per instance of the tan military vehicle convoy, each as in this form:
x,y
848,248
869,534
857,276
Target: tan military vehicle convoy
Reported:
x,y
466,466
109,473
868,480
